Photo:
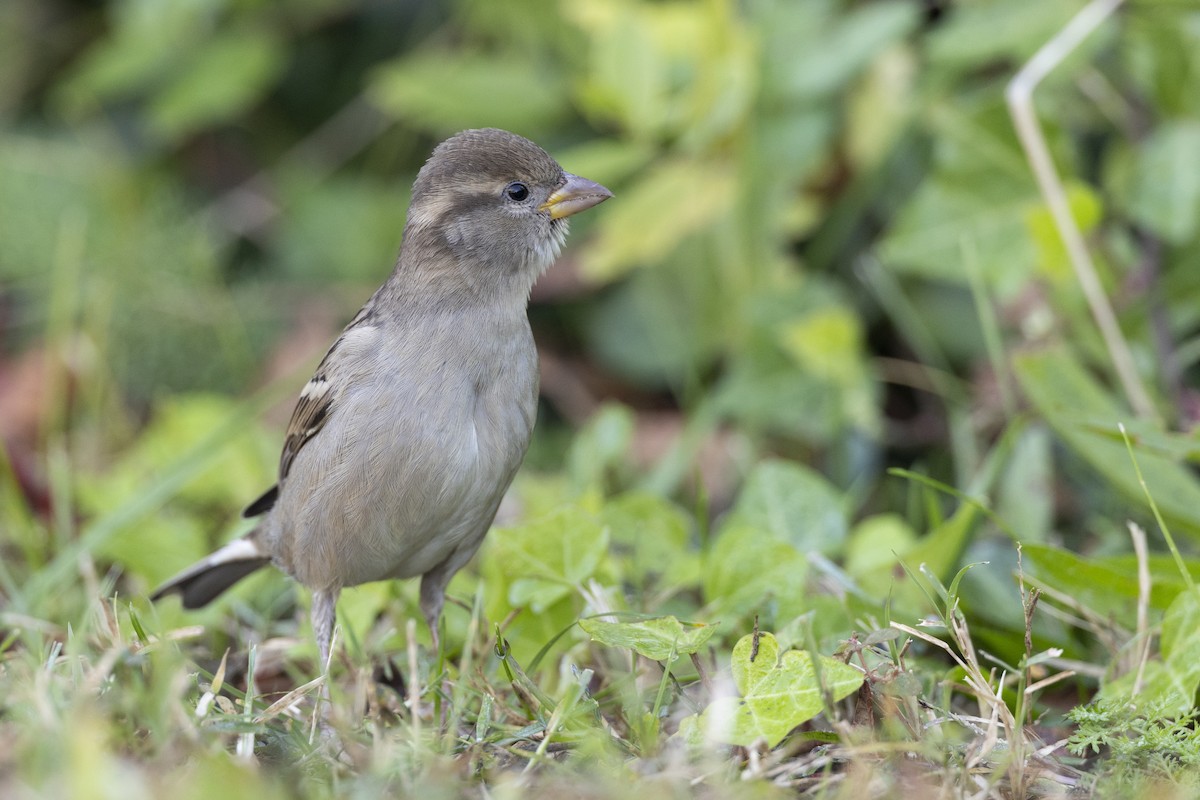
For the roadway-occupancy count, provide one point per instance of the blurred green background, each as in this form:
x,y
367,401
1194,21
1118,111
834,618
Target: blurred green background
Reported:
x,y
827,256
826,243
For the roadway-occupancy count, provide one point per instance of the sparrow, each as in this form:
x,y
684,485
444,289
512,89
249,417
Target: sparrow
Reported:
x,y
406,438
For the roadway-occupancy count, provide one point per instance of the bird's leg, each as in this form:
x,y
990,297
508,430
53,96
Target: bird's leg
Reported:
x,y
324,614
433,597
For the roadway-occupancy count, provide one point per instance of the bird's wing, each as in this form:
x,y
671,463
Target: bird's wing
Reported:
x,y
318,400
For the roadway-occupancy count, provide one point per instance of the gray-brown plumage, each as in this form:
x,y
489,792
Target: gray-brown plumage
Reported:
x,y
410,431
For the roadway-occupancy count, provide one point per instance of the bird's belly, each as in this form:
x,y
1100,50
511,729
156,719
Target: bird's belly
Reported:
x,y
397,495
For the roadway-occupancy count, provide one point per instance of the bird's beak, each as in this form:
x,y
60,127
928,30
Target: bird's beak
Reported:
x,y
577,194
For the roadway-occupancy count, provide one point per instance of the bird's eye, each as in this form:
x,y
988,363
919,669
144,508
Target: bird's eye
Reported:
x,y
516,191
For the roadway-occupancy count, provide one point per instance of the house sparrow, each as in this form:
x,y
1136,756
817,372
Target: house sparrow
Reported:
x,y
406,438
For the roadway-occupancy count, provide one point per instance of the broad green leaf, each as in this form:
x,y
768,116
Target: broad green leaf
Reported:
x,y
746,567
218,82
1086,209
839,53
1149,436
1165,196
928,235
662,325
1180,640
1076,408
792,503
823,618
778,692
179,424
548,558
540,494
201,510
1174,679
939,554
1025,493
538,565
666,70
147,42
941,549
793,322
600,447
311,241
1107,589
884,572
874,546
651,536
828,344
674,199
443,92
1159,685
762,393
974,204
992,29
1163,571
660,639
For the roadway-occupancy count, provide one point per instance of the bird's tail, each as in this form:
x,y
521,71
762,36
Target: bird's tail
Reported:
x,y
200,583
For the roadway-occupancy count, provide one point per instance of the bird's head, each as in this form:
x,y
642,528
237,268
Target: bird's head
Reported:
x,y
498,202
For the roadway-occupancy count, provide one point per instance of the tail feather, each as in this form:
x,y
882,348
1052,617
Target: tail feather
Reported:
x,y
201,583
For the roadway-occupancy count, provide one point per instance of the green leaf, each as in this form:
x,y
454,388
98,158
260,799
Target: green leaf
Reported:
x,y
311,241
828,344
651,536
600,447
768,394
1025,494
1080,412
201,509
1109,587
885,560
218,82
838,54
1181,632
443,92
147,42
1165,196
941,549
660,639
666,70
778,692
979,195
927,236
1086,209
657,327
673,200
179,424
549,557
786,325
744,568
874,545
1173,680
994,29
792,503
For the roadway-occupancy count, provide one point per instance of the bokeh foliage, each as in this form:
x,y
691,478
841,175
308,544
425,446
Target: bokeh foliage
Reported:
x,y
827,256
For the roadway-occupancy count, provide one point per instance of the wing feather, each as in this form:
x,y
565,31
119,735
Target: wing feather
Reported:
x,y
316,402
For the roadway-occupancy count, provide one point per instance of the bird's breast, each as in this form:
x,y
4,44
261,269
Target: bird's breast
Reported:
x,y
412,462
